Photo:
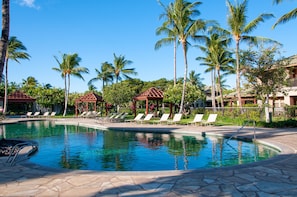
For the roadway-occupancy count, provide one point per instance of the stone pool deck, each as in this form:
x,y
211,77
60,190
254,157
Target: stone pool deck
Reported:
x,y
273,177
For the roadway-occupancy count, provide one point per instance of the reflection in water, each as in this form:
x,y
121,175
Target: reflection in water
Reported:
x,y
74,147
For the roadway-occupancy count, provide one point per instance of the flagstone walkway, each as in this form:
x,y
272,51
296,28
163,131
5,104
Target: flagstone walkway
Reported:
x,y
273,177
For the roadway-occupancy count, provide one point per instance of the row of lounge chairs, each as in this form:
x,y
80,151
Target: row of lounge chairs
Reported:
x,y
198,119
142,118
37,114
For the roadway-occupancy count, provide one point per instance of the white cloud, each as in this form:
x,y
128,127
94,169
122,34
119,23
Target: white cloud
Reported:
x,y
29,3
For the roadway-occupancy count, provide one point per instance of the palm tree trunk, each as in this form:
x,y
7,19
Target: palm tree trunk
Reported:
x,y
174,63
220,90
66,97
213,99
238,76
6,87
4,35
185,78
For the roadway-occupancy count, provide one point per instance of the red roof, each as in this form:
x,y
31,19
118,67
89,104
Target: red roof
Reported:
x,y
90,97
19,97
150,94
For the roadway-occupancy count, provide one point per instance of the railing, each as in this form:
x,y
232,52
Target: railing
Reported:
x,y
21,152
244,124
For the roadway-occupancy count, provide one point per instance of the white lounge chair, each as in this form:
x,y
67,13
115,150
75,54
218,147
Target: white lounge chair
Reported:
x,y
176,119
45,114
53,114
210,120
137,118
164,118
82,115
36,114
197,119
28,115
147,118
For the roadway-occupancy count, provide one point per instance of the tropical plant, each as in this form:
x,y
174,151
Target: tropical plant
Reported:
x,y
217,58
16,50
186,28
4,35
286,17
106,74
69,66
240,29
170,30
195,79
120,70
265,74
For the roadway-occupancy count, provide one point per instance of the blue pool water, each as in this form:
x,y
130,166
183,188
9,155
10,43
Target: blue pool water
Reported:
x,y
74,147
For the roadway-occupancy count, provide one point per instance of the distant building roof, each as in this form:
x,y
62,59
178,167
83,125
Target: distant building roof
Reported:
x,y
19,97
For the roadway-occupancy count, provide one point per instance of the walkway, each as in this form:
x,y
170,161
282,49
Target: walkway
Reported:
x,y
273,177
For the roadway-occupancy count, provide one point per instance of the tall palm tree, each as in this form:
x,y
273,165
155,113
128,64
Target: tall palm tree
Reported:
x,y
106,74
169,29
286,17
218,59
16,50
69,66
119,68
4,35
240,29
186,28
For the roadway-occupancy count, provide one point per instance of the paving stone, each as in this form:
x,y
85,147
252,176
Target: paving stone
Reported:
x,y
272,187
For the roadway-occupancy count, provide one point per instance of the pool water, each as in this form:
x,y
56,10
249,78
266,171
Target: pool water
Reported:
x,y
75,147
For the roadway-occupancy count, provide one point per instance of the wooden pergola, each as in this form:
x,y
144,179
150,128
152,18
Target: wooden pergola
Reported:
x,y
150,94
88,99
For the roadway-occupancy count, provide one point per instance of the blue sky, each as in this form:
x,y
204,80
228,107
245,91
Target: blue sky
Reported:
x,y
96,29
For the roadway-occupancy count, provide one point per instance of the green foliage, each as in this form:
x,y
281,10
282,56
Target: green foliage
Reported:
x,y
119,94
173,94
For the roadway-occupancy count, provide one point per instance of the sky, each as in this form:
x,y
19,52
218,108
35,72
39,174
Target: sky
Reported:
x,y
98,29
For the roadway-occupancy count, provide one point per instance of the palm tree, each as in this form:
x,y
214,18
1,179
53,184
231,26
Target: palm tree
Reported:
x,y
240,29
69,66
286,17
105,74
4,35
30,82
119,68
218,59
16,50
169,29
194,79
186,27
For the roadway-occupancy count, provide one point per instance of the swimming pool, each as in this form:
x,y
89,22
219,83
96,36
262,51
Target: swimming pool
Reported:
x,y
76,147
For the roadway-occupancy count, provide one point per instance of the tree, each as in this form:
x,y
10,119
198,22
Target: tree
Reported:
x,y
217,58
4,34
105,74
264,73
186,28
16,50
240,29
69,66
168,28
286,17
173,94
119,68
194,79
